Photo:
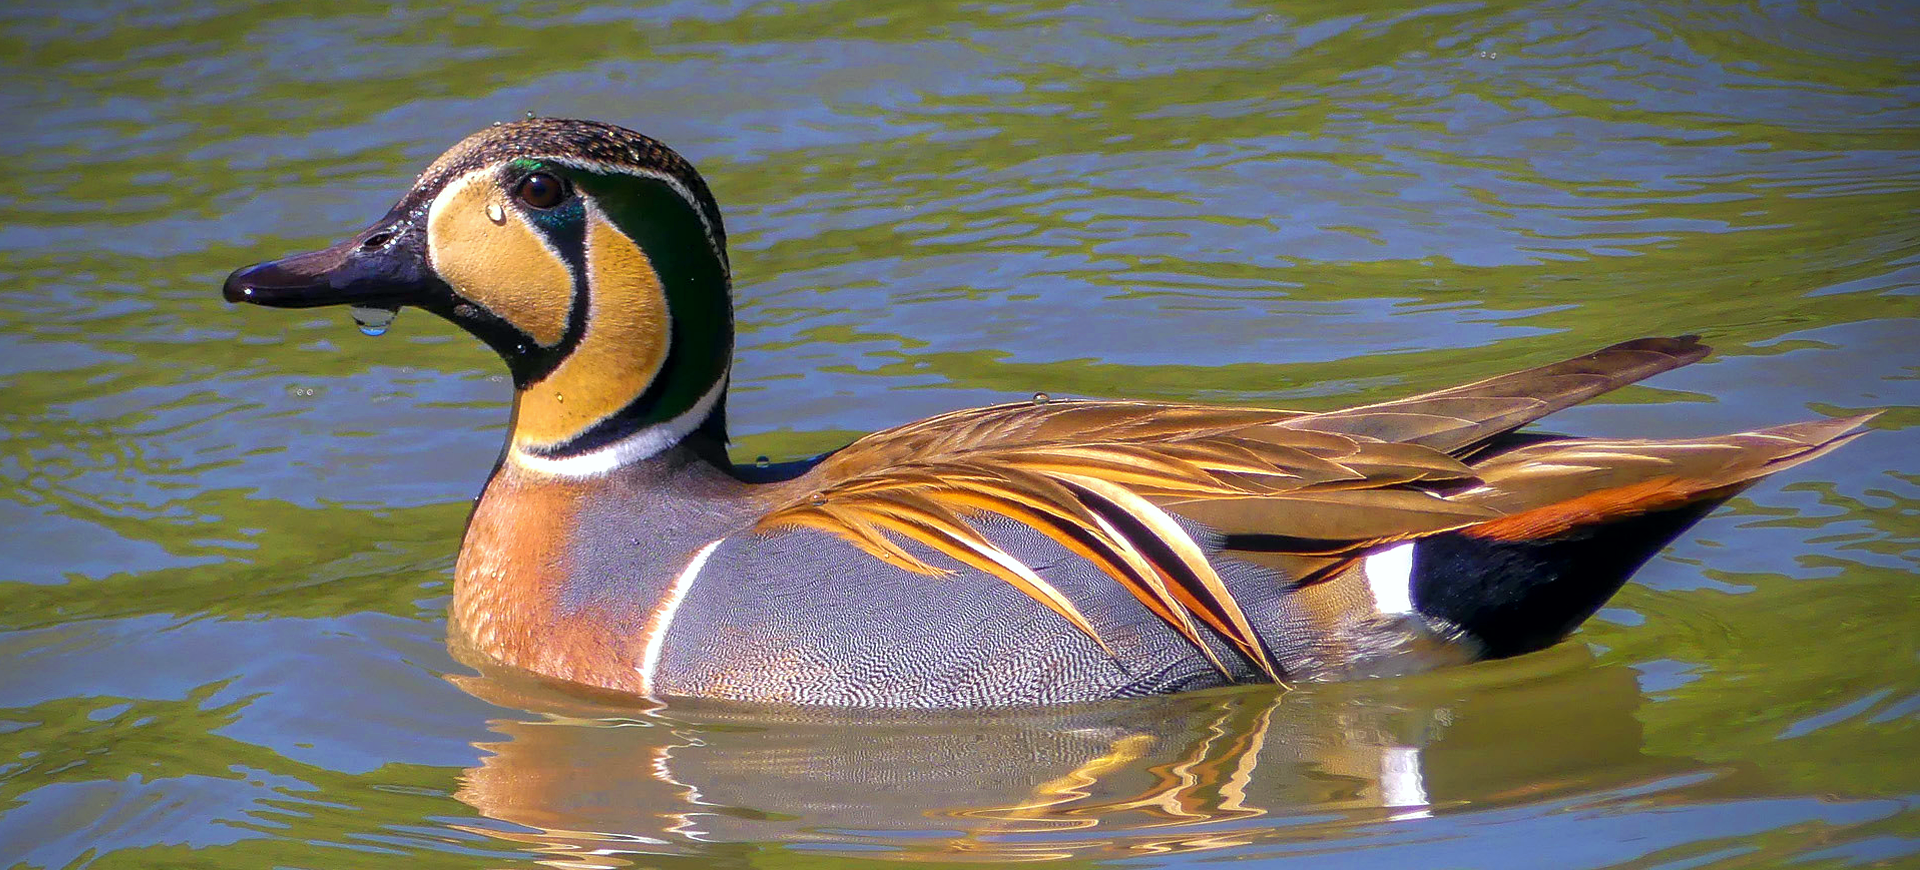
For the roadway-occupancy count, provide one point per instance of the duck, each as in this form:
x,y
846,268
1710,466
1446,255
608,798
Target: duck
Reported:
x,y
1032,552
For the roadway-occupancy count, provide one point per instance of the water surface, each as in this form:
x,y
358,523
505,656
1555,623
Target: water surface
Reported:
x,y
228,533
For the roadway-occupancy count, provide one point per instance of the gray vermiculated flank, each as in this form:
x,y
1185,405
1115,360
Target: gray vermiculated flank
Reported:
x,y
804,616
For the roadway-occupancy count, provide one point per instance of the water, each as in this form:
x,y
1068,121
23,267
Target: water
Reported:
x,y
229,531
373,322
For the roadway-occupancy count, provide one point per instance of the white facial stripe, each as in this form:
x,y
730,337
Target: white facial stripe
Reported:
x,y
662,618
640,445
1390,576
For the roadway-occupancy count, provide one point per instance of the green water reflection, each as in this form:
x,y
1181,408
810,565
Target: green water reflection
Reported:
x,y
228,534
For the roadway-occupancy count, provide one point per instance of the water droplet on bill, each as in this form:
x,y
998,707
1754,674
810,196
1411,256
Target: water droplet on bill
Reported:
x,y
372,321
762,461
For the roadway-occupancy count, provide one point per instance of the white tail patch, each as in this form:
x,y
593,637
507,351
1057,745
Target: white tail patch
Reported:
x,y
662,618
1390,576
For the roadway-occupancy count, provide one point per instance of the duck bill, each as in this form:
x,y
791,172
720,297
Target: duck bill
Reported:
x,y
368,272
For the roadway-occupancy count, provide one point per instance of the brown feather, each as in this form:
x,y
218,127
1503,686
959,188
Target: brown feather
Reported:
x,y
1303,493
1558,518
925,521
1109,550
1551,488
1457,418
1298,568
1336,515
1193,563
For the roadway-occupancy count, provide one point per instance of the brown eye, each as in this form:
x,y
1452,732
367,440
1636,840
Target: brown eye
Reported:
x,y
541,190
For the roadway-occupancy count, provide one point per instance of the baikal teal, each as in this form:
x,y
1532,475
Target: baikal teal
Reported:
x,y
1180,546
230,534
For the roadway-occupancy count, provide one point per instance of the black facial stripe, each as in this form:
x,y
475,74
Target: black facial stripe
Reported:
x,y
569,238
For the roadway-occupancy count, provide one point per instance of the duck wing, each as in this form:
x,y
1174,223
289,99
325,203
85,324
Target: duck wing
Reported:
x,y
1465,417
1122,484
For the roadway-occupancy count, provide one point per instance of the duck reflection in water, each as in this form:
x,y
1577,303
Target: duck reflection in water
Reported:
x,y
594,781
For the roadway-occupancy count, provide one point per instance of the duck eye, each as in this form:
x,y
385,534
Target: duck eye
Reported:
x,y
541,190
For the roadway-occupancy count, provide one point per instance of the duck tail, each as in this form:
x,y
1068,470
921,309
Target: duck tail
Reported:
x,y
1580,516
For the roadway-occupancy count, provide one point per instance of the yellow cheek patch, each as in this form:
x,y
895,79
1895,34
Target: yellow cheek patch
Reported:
x,y
490,256
617,358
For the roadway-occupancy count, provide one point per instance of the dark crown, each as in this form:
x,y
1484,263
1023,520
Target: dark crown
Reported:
x,y
590,142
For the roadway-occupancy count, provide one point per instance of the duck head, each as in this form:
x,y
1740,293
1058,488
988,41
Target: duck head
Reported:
x,y
592,258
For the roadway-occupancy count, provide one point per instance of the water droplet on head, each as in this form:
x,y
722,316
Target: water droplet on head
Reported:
x,y
529,114
1041,398
762,461
495,213
819,500
372,321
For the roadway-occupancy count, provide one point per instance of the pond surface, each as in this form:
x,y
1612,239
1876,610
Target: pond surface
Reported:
x,y
228,533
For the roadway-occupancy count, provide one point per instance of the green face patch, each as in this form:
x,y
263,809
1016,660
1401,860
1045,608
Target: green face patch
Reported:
x,y
673,235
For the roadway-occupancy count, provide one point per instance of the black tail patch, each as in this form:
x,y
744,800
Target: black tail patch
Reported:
x,y
1521,596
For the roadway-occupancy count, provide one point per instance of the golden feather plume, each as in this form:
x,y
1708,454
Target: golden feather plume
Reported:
x,y
1111,482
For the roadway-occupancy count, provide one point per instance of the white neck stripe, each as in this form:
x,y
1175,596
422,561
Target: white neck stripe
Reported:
x,y
641,444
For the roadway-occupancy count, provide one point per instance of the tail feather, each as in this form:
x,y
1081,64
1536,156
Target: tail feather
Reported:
x,y
1582,517
1553,486
1815,438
